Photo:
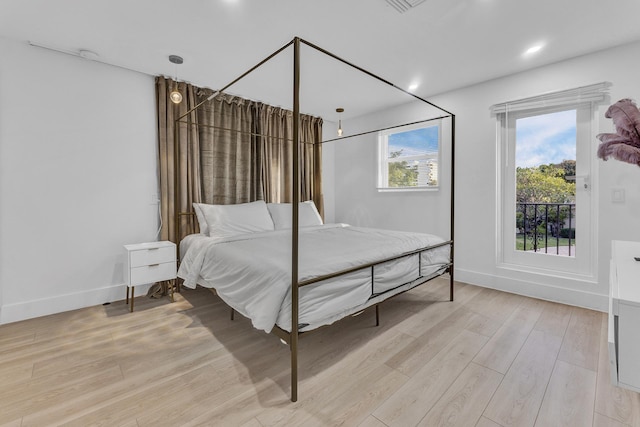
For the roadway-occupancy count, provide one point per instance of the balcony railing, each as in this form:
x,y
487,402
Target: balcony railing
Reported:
x,y
546,227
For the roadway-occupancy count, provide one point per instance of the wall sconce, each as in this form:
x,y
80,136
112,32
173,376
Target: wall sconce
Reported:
x,y
175,95
340,111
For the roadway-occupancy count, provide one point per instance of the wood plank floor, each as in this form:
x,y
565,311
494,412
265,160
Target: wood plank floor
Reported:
x,y
487,359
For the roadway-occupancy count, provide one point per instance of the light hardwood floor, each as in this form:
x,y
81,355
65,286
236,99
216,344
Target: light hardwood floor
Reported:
x,y
487,359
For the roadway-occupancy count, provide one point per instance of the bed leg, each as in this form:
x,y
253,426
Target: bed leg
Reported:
x,y
377,314
233,312
294,368
451,284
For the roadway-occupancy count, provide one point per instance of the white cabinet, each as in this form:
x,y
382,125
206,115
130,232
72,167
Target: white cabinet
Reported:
x,y
624,315
149,263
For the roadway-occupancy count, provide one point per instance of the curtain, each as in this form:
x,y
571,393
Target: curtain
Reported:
x,y
232,150
275,126
311,161
275,142
230,160
188,167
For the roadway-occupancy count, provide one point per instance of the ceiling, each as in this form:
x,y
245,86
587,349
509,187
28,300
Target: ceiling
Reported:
x,y
440,44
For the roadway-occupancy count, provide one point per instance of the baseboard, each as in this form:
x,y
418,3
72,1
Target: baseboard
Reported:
x,y
10,313
542,291
42,307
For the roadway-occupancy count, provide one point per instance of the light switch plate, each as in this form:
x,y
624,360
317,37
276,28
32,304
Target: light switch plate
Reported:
x,y
617,195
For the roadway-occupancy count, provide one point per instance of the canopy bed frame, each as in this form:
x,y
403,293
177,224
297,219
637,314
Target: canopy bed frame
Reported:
x,y
291,337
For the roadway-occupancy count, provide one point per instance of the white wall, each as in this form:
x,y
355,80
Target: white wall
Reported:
x,y
77,173
358,203
357,200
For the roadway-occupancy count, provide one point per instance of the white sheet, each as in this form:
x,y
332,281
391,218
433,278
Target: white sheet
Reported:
x,y
192,239
251,272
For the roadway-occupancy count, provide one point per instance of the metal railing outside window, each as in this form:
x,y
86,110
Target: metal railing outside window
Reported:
x,y
546,227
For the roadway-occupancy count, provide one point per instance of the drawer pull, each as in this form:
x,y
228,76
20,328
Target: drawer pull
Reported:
x,y
153,265
153,249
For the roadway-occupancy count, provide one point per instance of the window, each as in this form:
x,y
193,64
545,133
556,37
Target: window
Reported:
x,y
408,157
545,177
547,202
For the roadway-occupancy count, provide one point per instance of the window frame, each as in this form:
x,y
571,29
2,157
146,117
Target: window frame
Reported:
x,y
583,266
383,159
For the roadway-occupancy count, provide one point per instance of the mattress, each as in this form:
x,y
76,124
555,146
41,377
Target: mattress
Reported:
x,y
252,272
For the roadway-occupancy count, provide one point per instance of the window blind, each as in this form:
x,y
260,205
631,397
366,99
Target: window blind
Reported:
x,y
595,93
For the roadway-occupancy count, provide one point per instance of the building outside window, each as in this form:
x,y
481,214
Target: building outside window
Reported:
x,y
408,157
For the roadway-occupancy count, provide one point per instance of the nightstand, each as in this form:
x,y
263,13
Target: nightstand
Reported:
x,y
149,263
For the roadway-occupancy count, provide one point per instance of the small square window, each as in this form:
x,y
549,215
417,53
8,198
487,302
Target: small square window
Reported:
x,y
408,157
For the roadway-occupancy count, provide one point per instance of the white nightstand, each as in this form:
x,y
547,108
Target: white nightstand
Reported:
x,y
149,263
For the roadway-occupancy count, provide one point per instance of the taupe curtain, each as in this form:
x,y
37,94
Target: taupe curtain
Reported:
x,y
276,133
188,166
230,159
275,125
311,161
232,150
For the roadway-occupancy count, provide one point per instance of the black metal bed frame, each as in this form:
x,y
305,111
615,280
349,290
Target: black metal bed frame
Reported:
x,y
291,338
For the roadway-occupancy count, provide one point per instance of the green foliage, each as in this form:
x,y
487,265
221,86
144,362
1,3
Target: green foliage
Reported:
x,y
569,167
401,174
544,184
552,243
535,217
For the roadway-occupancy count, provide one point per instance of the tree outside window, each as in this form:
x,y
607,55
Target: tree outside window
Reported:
x,y
409,157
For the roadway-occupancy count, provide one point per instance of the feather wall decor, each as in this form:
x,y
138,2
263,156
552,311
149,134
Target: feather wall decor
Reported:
x,y
624,145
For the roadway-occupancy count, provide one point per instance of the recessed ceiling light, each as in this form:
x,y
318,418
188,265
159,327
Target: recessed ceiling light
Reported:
x,y
413,86
533,49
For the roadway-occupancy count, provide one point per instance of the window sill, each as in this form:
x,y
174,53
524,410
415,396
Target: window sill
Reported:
x,y
589,277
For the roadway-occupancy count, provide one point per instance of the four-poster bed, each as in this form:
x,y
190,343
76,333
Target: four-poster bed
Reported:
x,y
412,259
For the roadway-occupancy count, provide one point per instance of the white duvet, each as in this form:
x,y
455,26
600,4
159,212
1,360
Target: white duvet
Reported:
x,y
252,272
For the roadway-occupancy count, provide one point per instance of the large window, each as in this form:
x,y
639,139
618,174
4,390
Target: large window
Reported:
x,y
545,176
408,157
546,206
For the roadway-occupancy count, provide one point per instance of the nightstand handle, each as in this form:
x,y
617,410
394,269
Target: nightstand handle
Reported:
x,y
153,265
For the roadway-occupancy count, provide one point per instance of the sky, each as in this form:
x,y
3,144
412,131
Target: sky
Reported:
x,y
414,142
547,138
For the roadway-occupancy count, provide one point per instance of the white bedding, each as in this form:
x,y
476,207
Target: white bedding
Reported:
x,y
252,272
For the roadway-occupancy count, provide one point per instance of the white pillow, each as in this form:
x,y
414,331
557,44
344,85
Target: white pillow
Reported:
x,y
202,222
231,220
281,214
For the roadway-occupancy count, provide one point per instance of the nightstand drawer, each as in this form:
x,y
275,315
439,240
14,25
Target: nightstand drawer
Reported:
x,y
153,273
151,256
